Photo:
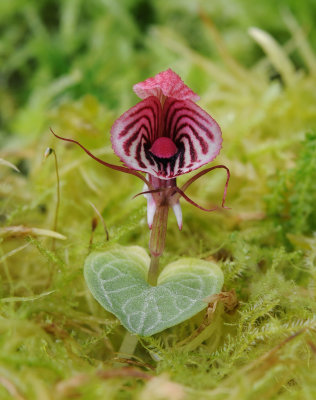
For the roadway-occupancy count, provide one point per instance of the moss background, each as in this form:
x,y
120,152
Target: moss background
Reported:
x,y
71,65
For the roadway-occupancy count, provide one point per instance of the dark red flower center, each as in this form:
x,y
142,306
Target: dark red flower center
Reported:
x,y
163,147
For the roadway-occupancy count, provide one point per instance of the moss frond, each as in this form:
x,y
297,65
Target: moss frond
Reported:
x,y
71,65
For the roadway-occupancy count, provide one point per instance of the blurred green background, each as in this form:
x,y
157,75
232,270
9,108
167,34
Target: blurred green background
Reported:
x,y
71,65
55,51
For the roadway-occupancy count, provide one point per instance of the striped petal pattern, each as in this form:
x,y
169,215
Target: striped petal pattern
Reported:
x,y
134,132
196,134
197,137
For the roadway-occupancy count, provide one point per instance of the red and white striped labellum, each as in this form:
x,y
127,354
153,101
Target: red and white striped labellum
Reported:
x,y
166,134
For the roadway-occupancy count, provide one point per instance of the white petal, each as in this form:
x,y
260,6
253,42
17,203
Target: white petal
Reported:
x,y
178,213
151,209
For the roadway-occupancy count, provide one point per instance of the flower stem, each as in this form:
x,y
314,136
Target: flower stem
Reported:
x,y
48,152
153,270
58,196
157,241
128,344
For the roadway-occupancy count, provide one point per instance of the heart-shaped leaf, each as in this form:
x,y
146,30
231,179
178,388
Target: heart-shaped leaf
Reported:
x,y
117,279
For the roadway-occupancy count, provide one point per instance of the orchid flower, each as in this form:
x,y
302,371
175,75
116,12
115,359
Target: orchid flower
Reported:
x,y
165,135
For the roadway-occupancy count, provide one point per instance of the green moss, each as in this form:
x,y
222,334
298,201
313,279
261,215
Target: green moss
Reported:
x,y
291,201
72,68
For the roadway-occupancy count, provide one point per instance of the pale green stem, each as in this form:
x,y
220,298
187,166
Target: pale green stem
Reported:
x,y
48,152
58,197
129,344
212,330
153,270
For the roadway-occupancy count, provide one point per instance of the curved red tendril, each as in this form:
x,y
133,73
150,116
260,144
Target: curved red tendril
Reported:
x,y
205,171
187,198
181,190
115,167
150,191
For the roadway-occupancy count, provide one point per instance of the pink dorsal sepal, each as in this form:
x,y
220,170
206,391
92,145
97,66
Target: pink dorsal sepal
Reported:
x,y
164,147
166,83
